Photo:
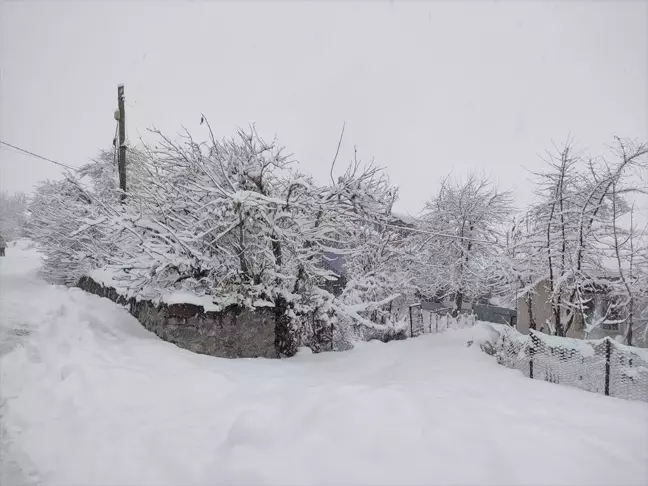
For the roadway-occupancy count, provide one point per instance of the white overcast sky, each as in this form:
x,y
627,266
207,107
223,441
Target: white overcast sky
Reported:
x,y
424,88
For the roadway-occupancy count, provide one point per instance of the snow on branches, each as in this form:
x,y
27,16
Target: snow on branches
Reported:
x,y
458,259
232,220
579,203
13,215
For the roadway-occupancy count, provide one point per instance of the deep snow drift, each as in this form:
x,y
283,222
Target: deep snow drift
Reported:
x,y
91,398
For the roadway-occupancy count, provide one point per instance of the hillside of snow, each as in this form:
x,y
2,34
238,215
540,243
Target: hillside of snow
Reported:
x,y
89,397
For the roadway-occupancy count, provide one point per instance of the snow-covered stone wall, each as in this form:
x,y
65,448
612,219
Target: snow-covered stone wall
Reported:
x,y
233,333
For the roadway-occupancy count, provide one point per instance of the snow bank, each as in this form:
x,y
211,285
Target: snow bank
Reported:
x,y
484,332
91,398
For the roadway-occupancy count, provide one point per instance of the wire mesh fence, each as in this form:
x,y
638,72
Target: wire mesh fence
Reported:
x,y
600,366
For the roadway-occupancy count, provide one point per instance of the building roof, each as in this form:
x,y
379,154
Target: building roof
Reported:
x,y
405,219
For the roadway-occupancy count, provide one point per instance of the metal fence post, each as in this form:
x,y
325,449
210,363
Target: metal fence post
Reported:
x,y
531,353
412,319
608,352
531,363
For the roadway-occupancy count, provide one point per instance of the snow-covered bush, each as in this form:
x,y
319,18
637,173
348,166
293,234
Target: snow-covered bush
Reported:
x,y
232,220
57,211
66,218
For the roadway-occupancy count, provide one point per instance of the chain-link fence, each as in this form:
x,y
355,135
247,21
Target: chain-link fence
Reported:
x,y
599,366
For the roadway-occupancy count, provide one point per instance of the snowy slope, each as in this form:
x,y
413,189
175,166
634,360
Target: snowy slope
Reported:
x,y
91,398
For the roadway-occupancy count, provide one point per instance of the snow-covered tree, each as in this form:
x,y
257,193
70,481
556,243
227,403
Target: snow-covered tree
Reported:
x,y
13,214
464,239
628,249
67,217
574,213
230,219
523,257
378,270
57,210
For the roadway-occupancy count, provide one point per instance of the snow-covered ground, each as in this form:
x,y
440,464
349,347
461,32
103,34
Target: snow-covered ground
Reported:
x,y
91,398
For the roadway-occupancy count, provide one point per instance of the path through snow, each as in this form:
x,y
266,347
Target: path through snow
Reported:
x,y
91,398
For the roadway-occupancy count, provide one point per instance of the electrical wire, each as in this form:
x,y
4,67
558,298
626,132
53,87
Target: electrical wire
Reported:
x,y
37,156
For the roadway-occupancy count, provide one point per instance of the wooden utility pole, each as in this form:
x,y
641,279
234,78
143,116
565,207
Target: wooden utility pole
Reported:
x,y
121,160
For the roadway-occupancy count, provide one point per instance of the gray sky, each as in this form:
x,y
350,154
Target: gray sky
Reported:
x,y
425,88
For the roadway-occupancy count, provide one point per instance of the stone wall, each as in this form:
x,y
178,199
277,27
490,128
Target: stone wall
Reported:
x,y
233,333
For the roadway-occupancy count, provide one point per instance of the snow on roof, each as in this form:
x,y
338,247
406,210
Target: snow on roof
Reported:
x,y
405,218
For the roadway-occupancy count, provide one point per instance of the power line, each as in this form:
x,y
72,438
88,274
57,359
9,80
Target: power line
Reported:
x,y
37,156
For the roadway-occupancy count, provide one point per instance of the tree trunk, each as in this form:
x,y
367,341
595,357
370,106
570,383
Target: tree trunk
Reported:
x,y
560,331
458,303
242,260
285,339
459,296
630,323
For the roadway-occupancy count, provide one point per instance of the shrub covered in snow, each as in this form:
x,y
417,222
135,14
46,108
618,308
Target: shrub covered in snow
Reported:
x,y
232,221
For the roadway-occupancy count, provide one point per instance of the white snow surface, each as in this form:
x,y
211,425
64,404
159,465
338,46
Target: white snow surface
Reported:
x,y
89,397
